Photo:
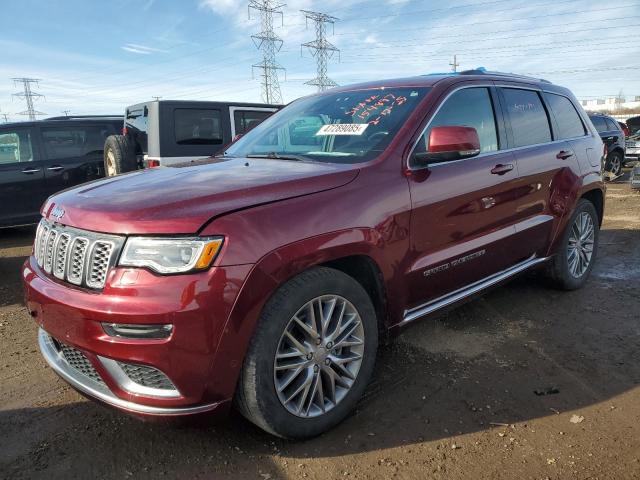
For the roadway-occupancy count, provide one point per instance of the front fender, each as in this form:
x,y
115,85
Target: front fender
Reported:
x,y
266,276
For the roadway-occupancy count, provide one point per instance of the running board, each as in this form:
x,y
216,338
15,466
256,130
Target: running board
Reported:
x,y
453,297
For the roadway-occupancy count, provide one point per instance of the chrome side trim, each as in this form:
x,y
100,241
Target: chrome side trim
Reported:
x,y
457,295
102,393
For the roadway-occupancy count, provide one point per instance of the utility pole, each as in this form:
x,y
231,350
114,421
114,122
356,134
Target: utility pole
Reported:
x,y
66,112
156,98
321,48
454,64
28,95
6,118
270,44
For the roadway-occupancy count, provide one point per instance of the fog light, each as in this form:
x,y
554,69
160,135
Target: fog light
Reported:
x,y
146,332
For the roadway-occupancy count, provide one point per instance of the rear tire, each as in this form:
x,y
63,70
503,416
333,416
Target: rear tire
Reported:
x,y
614,163
273,371
119,155
571,266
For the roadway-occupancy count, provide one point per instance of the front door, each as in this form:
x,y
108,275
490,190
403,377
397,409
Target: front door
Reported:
x,y
21,177
463,211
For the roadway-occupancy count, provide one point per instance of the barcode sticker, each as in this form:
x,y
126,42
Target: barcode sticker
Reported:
x,y
343,129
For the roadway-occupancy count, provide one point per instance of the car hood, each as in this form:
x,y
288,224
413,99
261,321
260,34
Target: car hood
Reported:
x,y
182,200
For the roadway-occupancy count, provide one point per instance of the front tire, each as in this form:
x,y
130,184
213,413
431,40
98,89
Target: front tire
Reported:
x,y
572,265
311,356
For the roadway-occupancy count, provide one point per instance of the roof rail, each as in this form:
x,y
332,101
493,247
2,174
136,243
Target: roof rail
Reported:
x,y
484,71
77,117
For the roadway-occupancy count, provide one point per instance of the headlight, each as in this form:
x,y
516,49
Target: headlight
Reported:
x,y
170,255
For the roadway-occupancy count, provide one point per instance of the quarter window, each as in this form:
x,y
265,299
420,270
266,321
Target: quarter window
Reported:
x,y
15,146
611,125
197,126
469,107
567,118
529,122
245,120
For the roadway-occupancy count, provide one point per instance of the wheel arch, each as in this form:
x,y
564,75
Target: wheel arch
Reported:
x,y
596,197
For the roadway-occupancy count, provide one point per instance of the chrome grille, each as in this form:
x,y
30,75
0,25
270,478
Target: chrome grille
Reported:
x,y
78,361
147,376
79,257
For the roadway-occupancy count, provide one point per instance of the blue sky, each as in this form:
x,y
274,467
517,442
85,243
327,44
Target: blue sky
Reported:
x,y
98,57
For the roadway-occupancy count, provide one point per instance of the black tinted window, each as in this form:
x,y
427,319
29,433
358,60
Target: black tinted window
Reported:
x,y
599,123
567,118
15,146
469,107
529,122
611,124
197,126
74,141
245,120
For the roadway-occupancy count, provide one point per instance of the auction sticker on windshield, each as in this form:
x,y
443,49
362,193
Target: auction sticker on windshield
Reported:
x,y
343,129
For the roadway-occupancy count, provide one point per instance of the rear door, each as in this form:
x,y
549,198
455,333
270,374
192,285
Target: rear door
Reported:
x,y
21,176
463,211
73,153
546,168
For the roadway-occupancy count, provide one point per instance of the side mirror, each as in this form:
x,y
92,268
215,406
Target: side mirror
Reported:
x,y
449,143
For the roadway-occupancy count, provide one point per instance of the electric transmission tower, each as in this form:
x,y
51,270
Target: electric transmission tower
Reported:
x,y
269,44
6,117
320,48
28,96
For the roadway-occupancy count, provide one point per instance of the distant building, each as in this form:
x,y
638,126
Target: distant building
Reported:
x,y
611,104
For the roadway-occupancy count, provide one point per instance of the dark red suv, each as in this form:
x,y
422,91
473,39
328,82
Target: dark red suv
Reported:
x,y
265,278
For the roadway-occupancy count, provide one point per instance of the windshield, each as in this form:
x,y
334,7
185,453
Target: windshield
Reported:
x,y
344,127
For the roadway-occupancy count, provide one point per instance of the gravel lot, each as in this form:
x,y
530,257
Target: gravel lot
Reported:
x,y
526,382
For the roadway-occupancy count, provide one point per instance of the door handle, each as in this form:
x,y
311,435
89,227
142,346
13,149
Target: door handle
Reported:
x,y
55,168
30,171
501,169
564,154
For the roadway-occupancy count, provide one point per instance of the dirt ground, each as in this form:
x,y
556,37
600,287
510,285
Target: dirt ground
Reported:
x,y
526,383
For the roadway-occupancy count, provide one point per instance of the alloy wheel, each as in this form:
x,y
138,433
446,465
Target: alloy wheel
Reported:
x,y
319,356
581,243
111,164
615,165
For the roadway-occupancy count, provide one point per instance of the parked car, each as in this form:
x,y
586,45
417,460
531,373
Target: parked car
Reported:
x,y
40,158
167,132
633,124
265,278
635,177
624,128
614,139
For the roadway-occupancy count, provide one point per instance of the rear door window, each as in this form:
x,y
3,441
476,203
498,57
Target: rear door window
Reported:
x,y
15,146
528,118
599,123
245,120
196,126
567,118
611,125
74,141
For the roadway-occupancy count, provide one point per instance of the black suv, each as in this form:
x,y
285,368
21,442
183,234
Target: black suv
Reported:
x,y
613,137
40,158
168,132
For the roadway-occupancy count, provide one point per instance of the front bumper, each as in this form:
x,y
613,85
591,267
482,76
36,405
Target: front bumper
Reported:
x,y
198,306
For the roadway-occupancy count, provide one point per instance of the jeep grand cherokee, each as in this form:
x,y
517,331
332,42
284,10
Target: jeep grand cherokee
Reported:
x,y
264,279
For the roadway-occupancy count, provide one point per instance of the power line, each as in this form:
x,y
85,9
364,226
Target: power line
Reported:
x,y
270,44
28,95
321,48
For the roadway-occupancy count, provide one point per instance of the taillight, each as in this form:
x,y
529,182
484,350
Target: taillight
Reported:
x,y
605,150
153,163
125,130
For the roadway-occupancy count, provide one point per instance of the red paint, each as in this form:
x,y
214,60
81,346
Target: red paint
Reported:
x,y
282,217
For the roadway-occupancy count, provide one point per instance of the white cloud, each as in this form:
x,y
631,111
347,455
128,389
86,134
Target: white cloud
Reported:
x,y
141,49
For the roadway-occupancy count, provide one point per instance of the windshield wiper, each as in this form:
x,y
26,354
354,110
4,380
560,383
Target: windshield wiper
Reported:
x,y
277,156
